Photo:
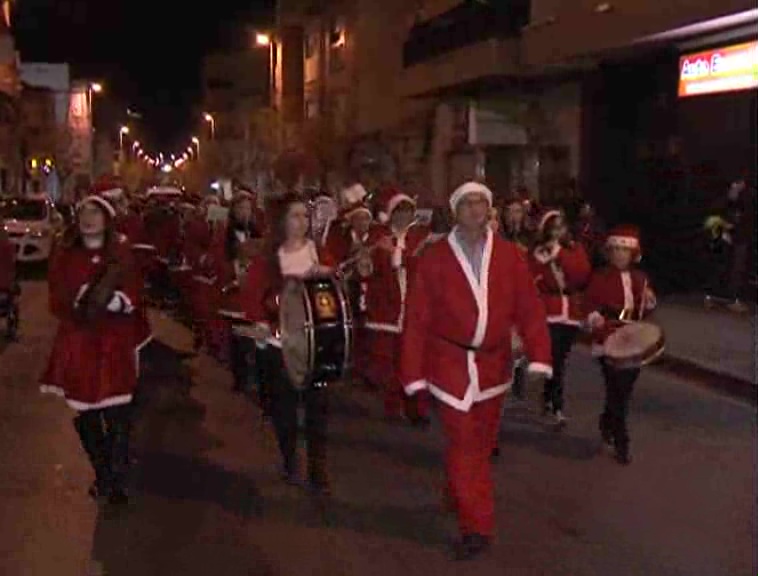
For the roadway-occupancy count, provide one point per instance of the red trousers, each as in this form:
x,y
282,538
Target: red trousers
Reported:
x,y
383,356
470,438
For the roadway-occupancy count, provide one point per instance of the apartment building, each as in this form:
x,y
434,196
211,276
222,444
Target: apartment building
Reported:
x,y
533,93
236,86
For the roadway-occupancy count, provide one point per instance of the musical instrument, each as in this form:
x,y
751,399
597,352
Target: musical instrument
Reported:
x,y
93,303
316,324
634,345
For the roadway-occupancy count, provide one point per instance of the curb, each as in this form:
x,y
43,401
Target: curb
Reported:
x,y
726,384
718,381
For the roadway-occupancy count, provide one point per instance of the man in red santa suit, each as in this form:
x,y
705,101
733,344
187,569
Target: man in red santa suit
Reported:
x,y
385,302
95,293
466,295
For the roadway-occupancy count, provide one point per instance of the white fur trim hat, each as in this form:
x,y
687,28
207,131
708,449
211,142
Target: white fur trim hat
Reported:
x,y
548,215
98,201
389,199
469,188
353,194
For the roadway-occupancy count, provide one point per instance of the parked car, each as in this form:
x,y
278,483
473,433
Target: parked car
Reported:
x,y
31,223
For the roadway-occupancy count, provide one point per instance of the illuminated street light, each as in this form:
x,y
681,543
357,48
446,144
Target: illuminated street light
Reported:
x,y
96,87
135,146
262,39
196,142
212,121
121,133
167,168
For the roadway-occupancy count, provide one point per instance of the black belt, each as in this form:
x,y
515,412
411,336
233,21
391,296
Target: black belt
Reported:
x,y
466,347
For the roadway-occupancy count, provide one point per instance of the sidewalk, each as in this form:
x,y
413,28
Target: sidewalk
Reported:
x,y
716,343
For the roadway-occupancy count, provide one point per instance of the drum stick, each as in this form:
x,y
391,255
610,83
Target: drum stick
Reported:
x,y
643,301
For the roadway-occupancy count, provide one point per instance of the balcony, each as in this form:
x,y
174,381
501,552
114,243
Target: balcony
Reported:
x,y
468,42
589,28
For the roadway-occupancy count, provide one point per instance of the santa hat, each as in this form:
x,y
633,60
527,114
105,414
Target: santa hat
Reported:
x,y
350,210
546,216
467,189
625,236
352,194
389,199
100,201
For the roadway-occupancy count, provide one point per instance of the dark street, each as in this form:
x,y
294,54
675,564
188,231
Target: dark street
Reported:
x,y
208,499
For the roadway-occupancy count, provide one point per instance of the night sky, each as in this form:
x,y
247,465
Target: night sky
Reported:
x,y
148,52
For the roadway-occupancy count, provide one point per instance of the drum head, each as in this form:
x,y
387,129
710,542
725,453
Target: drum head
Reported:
x,y
633,340
293,323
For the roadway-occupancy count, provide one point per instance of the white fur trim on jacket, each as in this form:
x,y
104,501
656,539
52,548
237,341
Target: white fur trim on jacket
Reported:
x,y
100,202
469,188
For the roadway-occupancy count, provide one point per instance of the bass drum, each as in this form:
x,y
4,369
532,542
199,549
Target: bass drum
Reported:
x,y
634,345
316,327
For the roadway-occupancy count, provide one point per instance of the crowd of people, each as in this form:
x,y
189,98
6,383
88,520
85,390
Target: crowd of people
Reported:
x,y
453,313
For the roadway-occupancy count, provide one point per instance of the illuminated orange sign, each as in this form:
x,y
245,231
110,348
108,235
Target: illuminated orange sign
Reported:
x,y
725,69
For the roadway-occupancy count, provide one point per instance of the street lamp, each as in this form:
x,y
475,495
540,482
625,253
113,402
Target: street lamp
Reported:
x,y
135,146
262,39
96,87
212,122
121,133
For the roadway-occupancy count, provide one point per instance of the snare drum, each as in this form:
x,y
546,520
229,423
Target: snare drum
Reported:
x,y
634,345
316,326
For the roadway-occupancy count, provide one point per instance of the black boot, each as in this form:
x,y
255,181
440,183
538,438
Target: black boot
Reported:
x,y
605,430
89,427
118,422
622,453
470,546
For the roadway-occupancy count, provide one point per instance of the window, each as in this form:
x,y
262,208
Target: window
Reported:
x,y
336,44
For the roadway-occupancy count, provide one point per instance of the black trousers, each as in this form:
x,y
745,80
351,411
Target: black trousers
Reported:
x,y
104,435
519,378
284,400
619,385
562,338
241,351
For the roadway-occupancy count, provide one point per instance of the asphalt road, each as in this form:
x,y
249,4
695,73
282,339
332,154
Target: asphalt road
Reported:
x,y
208,501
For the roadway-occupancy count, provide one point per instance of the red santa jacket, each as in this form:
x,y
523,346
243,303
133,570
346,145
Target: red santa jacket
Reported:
x,y
612,292
259,291
561,274
341,241
387,288
198,234
7,263
456,338
93,365
131,226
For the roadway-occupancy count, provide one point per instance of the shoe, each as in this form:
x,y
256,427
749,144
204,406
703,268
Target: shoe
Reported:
x,y
559,420
118,497
622,455
422,422
319,487
470,546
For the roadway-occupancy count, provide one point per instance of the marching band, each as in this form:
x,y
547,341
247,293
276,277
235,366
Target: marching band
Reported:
x,y
425,314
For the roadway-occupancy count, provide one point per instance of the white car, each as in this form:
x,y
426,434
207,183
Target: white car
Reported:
x,y
31,224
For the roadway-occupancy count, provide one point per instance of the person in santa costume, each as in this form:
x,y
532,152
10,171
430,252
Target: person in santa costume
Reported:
x,y
386,293
289,253
618,291
95,294
465,297
561,270
232,249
